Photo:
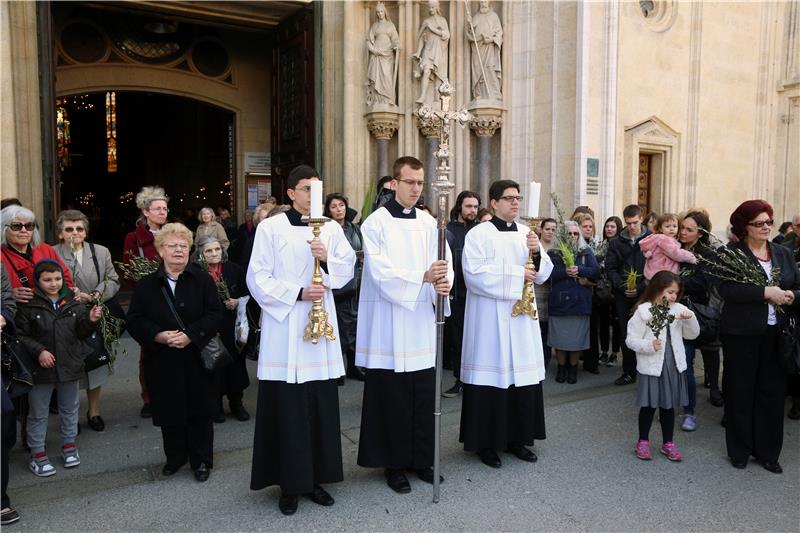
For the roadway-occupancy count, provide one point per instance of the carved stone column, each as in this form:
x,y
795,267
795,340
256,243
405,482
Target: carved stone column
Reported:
x,y
430,130
485,122
383,124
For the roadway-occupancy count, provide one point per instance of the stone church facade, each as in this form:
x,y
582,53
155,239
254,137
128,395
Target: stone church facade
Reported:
x,y
664,103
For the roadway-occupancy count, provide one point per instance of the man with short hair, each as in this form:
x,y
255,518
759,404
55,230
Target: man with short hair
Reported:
x,y
297,443
463,217
396,332
623,259
503,360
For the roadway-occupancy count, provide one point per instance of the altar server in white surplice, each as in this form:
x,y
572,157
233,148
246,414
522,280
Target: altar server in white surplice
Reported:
x,y
502,363
297,441
396,338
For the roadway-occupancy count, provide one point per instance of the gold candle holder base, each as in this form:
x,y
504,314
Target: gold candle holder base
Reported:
x,y
527,304
318,326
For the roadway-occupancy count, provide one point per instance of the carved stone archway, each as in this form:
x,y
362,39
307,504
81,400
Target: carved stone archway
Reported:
x,y
654,137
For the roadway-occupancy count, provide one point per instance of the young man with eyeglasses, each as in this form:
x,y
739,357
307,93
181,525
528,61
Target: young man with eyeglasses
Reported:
x,y
463,217
396,332
502,363
624,255
297,443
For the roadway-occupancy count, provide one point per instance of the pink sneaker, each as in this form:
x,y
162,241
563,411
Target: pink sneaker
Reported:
x,y
643,450
671,451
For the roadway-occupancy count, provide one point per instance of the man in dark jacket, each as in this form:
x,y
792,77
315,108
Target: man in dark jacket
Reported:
x,y
462,218
624,261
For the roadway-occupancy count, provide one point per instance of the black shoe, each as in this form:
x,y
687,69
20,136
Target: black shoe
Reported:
x,y
591,369
572,374
95,422
454,391
397,481
741,464
561,374
288,504
169,469
356,372
426,475
240,413
9,516
146,412
794,411
489,458
772,466
320,496
603,358
219,418
523,453
202,472
716,400
625,379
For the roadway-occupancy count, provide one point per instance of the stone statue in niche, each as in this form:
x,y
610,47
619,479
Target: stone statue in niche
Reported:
x,y
485,33
383,44
431,55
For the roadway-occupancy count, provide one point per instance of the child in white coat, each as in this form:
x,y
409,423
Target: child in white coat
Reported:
x,y
655,333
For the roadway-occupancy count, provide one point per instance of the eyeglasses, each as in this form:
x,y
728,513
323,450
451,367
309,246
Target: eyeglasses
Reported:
x,y
17,226
77,229
176,246
159,209
761,223
511,198
572,233
304,188
419,183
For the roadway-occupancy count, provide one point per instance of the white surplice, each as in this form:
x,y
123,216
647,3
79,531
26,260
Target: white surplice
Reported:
x,y
500,350
396,318
281,265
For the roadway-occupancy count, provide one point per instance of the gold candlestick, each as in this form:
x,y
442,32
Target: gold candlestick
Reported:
x,y
527,304
318,325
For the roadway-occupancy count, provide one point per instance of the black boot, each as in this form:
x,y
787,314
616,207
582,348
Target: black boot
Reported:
x,y
561,375
572,374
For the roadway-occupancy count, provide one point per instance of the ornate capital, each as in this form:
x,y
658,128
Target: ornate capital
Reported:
x,y
429,126
382,129
485,126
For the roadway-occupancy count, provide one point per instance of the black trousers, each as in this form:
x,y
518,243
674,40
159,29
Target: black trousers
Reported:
x,y
194,441
591,357
607,327
454,335
9,438
755,386
623,306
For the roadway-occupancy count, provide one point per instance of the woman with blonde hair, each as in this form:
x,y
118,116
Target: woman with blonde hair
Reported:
x,y
210,227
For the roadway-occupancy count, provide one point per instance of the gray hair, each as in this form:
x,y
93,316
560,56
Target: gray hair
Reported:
x,y
17,213
204,241
572,224
72,215
277,210
203,210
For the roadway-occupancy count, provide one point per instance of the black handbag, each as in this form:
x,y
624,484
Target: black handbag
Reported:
x,y
213,355
251,347
17,377
708,317
789,344
96,354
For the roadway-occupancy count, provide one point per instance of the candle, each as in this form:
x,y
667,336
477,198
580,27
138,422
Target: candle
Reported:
x,y
316,199
534,193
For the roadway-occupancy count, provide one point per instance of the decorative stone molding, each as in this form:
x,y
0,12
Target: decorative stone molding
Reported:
x,y
382,128
658,15
486,120
429,127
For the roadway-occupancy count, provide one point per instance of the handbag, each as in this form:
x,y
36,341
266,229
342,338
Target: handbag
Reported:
x,y
708,318
789,344
603,290
251,347
96,354
213,355
17,377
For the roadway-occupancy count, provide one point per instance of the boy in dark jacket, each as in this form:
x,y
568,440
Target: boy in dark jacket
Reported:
x,y
51,327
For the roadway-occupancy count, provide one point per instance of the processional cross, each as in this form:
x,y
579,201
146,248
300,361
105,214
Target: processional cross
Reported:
x,y
442,187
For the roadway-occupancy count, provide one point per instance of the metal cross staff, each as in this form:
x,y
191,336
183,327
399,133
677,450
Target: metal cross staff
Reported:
x,y
442,186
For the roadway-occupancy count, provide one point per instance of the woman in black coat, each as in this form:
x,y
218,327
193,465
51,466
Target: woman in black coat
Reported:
x,y
754,382
182,394
231,286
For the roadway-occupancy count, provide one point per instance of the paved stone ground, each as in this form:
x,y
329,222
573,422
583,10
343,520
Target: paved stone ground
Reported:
x,y
587,477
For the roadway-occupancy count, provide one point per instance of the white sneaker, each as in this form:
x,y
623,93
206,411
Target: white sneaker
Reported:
x,y
70,455
40,465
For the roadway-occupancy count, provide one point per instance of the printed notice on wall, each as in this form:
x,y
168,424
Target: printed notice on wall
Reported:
x,y
257,162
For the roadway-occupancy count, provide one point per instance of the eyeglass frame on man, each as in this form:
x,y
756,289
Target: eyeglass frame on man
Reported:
x,y
511,198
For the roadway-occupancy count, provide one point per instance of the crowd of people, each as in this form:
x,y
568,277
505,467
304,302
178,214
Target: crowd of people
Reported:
x,y
645,291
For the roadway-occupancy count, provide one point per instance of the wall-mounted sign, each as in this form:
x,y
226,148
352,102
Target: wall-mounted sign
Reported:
x,y
257,163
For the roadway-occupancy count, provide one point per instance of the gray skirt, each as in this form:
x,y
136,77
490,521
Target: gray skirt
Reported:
x,y
667,391
569,333
96,378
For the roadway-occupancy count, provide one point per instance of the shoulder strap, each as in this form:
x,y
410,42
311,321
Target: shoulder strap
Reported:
x,y
22,277
172,308
96,264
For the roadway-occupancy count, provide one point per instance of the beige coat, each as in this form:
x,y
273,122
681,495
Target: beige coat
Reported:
x,y
214,229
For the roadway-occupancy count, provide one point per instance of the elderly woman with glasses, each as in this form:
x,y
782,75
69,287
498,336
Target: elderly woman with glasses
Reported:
x,y
754,381
93,273
570,304
182,394
22,248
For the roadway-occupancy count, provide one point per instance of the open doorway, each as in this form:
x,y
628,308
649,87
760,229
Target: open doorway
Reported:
x,y
184,145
